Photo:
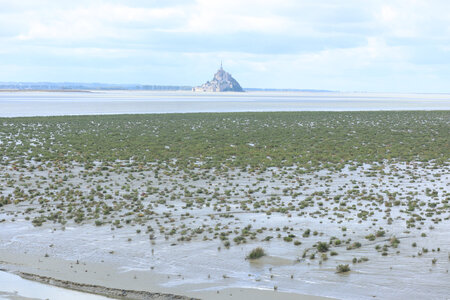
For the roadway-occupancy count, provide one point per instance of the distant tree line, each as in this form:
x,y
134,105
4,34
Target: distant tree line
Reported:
x,y
88,86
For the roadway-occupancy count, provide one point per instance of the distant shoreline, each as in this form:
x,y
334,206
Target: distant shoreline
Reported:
x,y
156,90
93,86
150,90
42,90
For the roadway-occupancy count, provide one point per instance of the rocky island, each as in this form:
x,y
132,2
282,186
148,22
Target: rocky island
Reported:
x,y
222,82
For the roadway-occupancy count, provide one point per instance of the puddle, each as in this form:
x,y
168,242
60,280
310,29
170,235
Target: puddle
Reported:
x,y
14,287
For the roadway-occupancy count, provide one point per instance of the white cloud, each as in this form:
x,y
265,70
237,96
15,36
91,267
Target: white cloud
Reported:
x,y
388,14
413,18
100,20
228,16
330,42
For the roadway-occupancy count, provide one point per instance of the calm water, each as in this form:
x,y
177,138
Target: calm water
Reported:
x,y
14,287
14,104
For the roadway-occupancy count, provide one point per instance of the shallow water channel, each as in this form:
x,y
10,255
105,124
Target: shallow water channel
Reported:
x,y
14,287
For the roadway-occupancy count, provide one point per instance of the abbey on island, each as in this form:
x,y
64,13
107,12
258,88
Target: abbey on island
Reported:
x,y
222,82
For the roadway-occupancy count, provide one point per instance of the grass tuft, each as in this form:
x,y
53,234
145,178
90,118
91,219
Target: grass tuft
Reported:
x,y
342,269
256,253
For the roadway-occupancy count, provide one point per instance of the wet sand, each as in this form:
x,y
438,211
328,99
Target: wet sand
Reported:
x,y
116,257
110,281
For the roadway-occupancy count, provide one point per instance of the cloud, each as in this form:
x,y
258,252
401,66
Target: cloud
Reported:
x,y
101,20
322,44
231,16
415,18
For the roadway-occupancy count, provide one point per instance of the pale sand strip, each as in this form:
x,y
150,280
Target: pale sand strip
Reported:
x,y
253,294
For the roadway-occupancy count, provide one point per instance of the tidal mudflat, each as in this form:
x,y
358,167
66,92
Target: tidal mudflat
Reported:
x,y
42,103
347,205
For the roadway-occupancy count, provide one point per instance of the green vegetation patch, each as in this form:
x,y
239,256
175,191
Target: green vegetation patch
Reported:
x,y
305,139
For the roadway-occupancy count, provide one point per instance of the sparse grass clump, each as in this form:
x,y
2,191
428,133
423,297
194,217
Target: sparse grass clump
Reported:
x,y
342,269
371,237
394,242
38,221
355,245
256,253
287,239
380,233
322,247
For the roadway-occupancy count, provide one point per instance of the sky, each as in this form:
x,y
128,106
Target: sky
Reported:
x,y
351,45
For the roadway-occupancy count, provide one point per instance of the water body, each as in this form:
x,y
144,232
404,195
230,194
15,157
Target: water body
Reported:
x,y
15,287
17,104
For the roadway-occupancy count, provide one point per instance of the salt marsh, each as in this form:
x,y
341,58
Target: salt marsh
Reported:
x,y
175,203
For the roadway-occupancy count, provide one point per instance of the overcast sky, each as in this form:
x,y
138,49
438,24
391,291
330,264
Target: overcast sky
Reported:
x,y
351,45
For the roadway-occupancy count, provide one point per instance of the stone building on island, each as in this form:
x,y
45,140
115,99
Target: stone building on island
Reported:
x,y
222,82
